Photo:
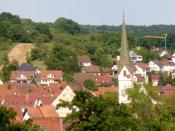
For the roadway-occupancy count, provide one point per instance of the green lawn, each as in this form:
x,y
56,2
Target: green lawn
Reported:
x,y
39,64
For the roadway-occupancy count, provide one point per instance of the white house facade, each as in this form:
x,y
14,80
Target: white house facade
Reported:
x,y
125,81
154,66
66,95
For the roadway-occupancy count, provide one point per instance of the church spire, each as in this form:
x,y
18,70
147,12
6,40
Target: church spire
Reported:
x,y
124,54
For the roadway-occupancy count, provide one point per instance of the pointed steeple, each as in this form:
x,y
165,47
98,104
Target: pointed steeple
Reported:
x,y
124,54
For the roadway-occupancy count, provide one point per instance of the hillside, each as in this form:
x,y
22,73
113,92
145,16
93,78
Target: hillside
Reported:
x,y
137,31
20,52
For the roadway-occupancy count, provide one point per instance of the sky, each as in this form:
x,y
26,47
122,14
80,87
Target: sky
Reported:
x,y
94,12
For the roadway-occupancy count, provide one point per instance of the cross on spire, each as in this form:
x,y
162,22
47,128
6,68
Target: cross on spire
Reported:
x,y
123,14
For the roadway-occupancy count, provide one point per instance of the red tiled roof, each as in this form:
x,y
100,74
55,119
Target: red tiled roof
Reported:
x,y
167,90
34,112
38,91
139,78
28,74
60,85
48,111
19,100
50,124
81,77
4,91
75,86
58,74
83,59
143,66
90,69
155,77
103,90
103,79
164,62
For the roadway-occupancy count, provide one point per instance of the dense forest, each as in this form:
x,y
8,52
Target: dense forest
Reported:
x,y
25,30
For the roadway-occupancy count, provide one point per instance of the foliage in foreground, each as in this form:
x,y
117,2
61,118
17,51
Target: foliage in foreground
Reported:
x,y
7,122
99,113
105,113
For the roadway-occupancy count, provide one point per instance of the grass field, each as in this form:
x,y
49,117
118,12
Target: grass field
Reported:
x,y
39,64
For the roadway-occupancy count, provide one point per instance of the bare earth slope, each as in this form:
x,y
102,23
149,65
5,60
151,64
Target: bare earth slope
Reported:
x,y
20,52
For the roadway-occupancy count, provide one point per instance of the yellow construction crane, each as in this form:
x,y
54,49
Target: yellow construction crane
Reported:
x,y
159,37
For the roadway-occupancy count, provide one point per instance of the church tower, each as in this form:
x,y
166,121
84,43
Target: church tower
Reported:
x,y
125,73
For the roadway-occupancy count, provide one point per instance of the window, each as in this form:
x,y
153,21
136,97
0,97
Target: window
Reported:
x,y
124,73
128,76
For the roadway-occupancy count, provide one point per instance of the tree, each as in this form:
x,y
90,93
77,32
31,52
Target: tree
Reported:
x,y
101,58
6,115
90,85
7,70
35,54
96,113
7,121
62,57
142,98
67,26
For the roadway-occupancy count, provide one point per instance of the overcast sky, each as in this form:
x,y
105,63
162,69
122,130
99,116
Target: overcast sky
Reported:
x,y
94,12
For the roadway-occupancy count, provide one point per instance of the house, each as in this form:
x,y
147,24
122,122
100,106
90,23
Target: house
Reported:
x,y
102,80
22,77
81,77
67,95
114,69
142,69
154,66
22,101
84,60
166,90
138,79
28,67
135,57
91,69
51,76
155,79
167,66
